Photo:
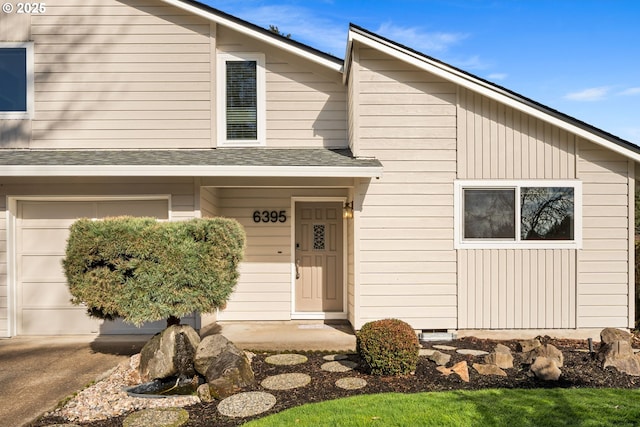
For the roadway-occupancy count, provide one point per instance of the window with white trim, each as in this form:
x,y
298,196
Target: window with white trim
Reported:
x,y
518,214
16,80
241,99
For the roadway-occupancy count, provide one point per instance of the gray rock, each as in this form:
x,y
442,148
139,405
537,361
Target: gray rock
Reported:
x,y
471,352
489,369
548,351
616,351
500,359
527,345
204,393
546,369
610,335
441,359
501,348
209,350
229,373
169,353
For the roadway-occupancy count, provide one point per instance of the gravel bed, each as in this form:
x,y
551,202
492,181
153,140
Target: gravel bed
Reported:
x,y
107,398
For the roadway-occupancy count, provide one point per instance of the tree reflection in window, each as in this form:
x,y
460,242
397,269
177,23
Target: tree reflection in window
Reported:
x,y
546,213
489,213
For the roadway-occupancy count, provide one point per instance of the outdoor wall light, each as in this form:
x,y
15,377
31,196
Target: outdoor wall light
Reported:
x,y
347,210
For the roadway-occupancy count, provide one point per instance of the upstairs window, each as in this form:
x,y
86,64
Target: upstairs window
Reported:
x,y
523,214
16,80
241,100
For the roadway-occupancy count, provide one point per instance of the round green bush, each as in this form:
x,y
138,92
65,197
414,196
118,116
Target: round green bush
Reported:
x,y
388,347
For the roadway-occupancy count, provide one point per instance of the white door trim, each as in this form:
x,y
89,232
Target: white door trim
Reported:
x,y
11,215
320,315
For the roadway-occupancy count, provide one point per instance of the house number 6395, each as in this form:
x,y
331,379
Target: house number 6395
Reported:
x,y
269,216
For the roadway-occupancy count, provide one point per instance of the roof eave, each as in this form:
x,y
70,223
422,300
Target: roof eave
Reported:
x,y
242,27
200,171
491,91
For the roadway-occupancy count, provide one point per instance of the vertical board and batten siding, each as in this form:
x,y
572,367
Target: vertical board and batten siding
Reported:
x,y
306,104
264,289
513,288
121,74
544,288
406,118
605,276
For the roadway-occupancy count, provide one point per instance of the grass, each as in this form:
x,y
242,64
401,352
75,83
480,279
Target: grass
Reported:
x,y
495,407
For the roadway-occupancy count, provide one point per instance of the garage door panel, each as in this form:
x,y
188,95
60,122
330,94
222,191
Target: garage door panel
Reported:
x,y
43,240
34,210
41,268
58,321
151,208
43,298
45,295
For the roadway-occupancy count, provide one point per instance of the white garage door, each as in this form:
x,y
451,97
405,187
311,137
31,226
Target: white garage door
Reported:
x,y
42,296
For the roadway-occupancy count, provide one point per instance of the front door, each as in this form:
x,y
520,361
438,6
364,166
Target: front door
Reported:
x,y
319,257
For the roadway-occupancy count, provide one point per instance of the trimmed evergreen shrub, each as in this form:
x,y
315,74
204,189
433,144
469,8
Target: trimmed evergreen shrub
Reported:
x,y
388,347
142,270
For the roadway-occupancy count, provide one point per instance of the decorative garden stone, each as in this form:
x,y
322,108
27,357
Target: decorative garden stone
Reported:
x,y
546,369
501,357
169,353
440,358
615,350
489,369
548,351
527,345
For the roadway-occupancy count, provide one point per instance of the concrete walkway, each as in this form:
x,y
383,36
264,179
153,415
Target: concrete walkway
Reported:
x,y
36,373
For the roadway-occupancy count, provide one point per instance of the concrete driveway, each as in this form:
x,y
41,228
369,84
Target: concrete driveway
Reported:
x,y
36,373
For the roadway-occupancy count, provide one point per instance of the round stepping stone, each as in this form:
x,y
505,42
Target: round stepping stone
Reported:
x,y
286,381
332,357
286,359
158,417
246,404
444,347
339,366
470,352
351,383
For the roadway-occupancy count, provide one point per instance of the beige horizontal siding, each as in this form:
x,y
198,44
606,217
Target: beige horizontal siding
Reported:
x,y
605,279
264,289
306,105
407,265
103,69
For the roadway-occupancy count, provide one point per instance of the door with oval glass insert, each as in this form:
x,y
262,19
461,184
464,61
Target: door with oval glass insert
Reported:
x,y
319,257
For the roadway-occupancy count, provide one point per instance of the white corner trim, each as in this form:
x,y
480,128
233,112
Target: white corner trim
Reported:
x,y
255,34
486,89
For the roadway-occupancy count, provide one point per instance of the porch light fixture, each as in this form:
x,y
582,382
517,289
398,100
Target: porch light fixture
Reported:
x,y
347,210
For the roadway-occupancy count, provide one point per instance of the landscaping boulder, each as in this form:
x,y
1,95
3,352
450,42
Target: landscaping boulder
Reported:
x,y
546,369
501,357
225,367
440,358
460,368
549,351
527,345
169,353
615,350
489,369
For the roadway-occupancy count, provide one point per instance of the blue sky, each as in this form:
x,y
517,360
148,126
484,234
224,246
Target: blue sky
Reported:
x,y
581,57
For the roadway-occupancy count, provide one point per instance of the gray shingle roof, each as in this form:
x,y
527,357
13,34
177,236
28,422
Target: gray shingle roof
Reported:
x,y
229,157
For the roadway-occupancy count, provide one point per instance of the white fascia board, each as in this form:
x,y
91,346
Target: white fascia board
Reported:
x,y
203,171
254,34
485,89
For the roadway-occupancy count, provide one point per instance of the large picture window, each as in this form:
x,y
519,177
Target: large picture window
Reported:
x,y
241,104
518,214
16,80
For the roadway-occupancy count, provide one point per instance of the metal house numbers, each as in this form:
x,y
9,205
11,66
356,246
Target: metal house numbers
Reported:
x,y
269,216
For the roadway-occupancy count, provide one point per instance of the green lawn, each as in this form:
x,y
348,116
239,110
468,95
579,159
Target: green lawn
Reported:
x,y
501,407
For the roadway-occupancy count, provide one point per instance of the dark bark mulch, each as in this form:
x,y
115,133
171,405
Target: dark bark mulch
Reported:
x,y
581,369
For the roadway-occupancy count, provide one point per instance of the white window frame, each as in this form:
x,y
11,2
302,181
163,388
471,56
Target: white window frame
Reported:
x,y
517,243
22,115
222,60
